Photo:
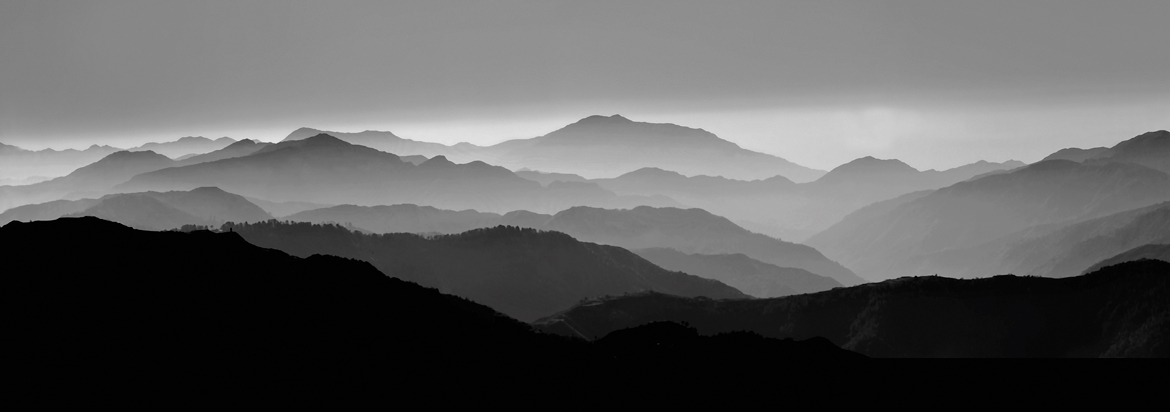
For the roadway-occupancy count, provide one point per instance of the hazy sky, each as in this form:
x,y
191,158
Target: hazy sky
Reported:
x,y
935,83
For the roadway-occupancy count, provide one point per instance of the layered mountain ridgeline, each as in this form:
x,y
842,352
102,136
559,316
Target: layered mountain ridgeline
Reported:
x,y
405,218
18,163
237,149
1154,252
524,273
388,142
546,178
282,209
690,231
600,146
1119,311
971,213
93,179
750,276
1149,149
687,230
205,304
781,208
185,146
1056,250
207,206
324,169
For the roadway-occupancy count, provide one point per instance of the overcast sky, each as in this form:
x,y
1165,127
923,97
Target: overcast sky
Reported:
x,y
934,83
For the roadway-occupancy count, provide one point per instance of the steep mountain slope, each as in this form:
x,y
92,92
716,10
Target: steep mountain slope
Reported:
x,y
324,169
521,272
1119,311
751,276
1075,154
185,146
17,163
1149,149
971,213
690,231
780,208
93,179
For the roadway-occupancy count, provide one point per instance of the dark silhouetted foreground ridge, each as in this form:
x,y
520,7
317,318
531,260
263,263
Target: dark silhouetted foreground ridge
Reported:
x,y
87,296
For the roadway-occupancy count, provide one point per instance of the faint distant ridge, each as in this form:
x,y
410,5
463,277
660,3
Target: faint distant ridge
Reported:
x,y
237,149
203,206
324,169
598,146
384,141
899,240
18,163
96,178
185,146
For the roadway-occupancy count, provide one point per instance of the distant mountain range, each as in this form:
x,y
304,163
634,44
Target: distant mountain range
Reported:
x,y
524,273
17,163
207,206
326,170
964,215
185,146
599,146
91,180
791,211
1118,311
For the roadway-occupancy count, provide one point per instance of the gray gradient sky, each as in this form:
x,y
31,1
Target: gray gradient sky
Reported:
x,y
935,83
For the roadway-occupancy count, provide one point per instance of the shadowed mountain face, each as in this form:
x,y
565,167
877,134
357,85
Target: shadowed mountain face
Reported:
x,y
521,272
149,210
778,207
751,276
17,163
1119,311
324,169
968,214
690,231
185,146
93,179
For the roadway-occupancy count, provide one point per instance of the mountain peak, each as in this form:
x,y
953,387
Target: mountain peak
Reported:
x,y
615,119
648,172
870,165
